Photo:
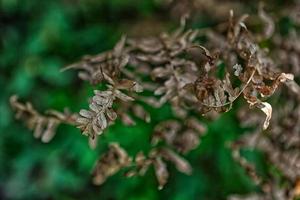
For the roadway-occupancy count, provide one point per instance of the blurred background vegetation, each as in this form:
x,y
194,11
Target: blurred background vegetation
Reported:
x,y
38,38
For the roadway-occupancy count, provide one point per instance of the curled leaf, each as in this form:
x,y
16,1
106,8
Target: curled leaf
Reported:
x,y
267,109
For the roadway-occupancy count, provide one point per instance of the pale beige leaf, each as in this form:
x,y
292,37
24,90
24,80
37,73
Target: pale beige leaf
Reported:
x,y
267,109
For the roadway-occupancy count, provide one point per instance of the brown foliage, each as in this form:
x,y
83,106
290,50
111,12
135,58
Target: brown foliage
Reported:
x,y
177,70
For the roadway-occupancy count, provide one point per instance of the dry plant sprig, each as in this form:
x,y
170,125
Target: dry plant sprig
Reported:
x,y
44,126
158,158
101,114
110,163
280,143
287,161
116,158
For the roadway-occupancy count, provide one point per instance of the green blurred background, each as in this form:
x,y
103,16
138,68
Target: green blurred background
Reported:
x,y
38,38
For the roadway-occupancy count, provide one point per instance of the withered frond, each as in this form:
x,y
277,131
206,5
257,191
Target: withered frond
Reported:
x,y
159,159
195,79
110,163
94,121
44,126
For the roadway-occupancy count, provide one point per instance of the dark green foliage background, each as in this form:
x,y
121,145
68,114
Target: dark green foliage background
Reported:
x,y
37,39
